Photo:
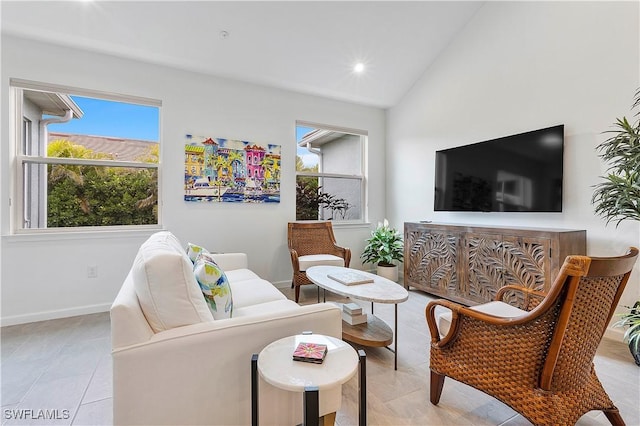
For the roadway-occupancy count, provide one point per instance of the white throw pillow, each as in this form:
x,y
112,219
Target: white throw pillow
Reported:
x,y
166,288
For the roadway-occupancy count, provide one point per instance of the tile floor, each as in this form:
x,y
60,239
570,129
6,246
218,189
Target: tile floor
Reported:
x,y
64,366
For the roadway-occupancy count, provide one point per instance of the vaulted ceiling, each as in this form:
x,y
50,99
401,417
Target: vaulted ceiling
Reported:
x,y
304,46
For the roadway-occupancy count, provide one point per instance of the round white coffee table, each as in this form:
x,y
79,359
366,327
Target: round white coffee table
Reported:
x,y
276,366
374,332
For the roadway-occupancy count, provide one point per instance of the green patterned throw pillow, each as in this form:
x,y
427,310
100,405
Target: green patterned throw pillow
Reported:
x,y
214,285
194,250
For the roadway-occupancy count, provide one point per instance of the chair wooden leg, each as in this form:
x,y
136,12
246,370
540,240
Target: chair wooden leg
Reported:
x,y
297,292
614,417
329,419
437,382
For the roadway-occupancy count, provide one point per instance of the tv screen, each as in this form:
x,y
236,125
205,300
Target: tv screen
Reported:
x,y
519,173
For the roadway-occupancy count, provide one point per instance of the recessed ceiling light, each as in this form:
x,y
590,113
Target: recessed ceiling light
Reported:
x,y
358,68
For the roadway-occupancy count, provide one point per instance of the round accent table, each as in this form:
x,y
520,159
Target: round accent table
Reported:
x,y
276,366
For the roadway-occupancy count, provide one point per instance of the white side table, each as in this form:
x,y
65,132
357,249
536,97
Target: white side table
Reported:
x,y
276,366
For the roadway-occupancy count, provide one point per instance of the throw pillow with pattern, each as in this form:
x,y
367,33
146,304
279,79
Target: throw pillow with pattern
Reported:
x,y
194,250
214,285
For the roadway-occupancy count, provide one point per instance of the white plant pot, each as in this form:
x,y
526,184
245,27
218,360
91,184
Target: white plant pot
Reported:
x,y
388,272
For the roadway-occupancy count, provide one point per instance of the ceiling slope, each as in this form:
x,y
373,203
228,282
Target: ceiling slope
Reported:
x,y
304,46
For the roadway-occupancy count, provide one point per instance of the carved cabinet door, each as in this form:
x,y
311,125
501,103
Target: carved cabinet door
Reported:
x,y
495,260
482,265
431,261
527,262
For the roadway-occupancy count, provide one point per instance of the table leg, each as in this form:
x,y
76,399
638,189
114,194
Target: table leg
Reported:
x,y
311,415
254,390
362,382
395,336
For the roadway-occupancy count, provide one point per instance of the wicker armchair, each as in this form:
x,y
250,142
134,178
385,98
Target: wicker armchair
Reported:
x,y
310,244
539,363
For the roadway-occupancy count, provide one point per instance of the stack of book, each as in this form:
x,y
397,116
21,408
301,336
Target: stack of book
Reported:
x,y
310,352
352,314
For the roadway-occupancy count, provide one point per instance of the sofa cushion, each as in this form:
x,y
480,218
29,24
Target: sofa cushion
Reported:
x,y
497,308
241,275
165,285
310,260
275,306
253,292
215,286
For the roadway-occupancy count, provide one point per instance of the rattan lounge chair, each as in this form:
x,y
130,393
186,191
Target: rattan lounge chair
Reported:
x,y
311,244
540,363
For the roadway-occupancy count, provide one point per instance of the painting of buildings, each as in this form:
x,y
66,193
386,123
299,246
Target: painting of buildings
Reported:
x,y
226,170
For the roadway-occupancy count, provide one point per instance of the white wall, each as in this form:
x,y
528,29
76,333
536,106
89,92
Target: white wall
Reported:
x,y
521,66
46,277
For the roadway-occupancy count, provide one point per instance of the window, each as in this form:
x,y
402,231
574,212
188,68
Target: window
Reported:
x,y
330,182
83,159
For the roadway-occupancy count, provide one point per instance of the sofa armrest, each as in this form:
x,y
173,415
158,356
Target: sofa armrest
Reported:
x,y
128,323
200,373
231,261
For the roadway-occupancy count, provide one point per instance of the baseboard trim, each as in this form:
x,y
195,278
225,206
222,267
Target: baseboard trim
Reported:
x,y
49,315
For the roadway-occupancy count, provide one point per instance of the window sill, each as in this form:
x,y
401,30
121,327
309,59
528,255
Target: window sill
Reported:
x,y
351,225
43,236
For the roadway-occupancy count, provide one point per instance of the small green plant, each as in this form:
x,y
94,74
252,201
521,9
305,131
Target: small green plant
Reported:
x,y
384,246
631,320
618,197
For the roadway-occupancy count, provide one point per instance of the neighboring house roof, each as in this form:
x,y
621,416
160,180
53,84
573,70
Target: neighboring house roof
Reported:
x,y
121,149
319,137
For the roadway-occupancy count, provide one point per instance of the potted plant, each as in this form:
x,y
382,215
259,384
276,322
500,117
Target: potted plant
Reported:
x,y
383,248
631,319
618,198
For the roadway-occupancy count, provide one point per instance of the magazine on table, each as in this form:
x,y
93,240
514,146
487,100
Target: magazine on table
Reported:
x,y
350,278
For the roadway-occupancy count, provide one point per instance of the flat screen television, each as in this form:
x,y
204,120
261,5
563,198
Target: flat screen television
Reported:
x,y
518,173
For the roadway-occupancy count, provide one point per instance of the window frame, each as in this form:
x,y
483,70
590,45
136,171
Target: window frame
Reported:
x,y
364,187
19,159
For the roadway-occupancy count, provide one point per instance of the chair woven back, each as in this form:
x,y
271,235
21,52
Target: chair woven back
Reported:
x,y
590,293
312,238
540,363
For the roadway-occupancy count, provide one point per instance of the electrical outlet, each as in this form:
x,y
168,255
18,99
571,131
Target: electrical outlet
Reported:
x,y
92,271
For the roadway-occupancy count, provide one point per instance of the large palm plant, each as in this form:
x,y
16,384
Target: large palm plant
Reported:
x,y
618,197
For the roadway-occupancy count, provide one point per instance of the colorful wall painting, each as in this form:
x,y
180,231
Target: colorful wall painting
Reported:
x,y
234,171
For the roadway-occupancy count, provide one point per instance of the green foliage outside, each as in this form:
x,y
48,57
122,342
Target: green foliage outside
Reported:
x,y
307,202
310,198
97,195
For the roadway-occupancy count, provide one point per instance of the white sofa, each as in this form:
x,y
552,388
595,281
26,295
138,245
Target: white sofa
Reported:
x,y
174,364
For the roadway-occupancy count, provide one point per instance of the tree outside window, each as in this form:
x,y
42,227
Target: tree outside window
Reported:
x,y
79,164
329,177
